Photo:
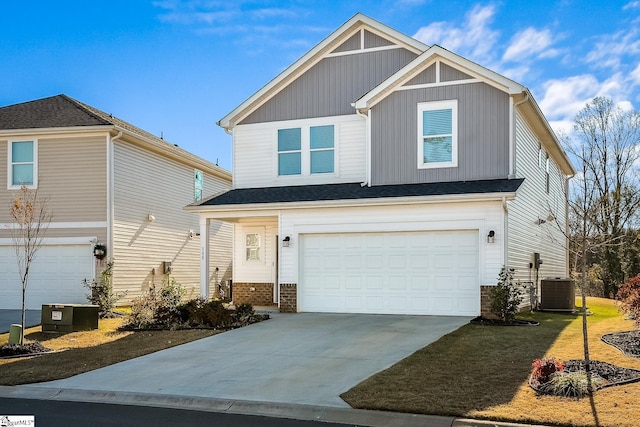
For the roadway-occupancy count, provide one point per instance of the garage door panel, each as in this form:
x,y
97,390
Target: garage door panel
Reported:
x,y
423,272
55,276
374,282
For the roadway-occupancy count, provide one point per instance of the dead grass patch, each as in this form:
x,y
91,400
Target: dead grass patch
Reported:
x,y
482,372
79,352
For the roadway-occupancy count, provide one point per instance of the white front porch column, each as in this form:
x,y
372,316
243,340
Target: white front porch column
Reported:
x,y
204,256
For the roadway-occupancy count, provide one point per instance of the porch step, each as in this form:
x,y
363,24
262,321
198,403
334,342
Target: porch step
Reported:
x,y
266,309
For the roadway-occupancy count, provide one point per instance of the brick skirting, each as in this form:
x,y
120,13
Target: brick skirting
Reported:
x,y
253,293
485,302
288,298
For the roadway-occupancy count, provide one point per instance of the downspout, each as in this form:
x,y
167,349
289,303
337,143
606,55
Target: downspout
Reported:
x,y
512,133
505,232
228,131
367,182
111,189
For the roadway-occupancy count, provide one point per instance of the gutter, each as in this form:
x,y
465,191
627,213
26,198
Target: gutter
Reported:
x,y
382,201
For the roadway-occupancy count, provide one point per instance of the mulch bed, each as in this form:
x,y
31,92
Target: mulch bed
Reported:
x,y
628,342
17,350
496,322
612,374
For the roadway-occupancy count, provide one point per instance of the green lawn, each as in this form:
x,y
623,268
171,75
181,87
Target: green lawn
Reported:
x,y
482,372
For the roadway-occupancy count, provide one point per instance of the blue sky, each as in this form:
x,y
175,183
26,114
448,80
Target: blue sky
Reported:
x,y
176,67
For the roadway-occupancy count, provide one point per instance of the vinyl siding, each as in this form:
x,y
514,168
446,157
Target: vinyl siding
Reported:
x,y
483,135
147,183
533,202
256,161
330,86
71,174
481,216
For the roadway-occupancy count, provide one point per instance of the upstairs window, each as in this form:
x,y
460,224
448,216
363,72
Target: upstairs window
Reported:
x,y
321,149
306,150
197,185
22,164
289,151
437,134
546,169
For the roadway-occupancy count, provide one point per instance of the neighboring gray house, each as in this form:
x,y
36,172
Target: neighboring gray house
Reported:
x,y
110,183
380,175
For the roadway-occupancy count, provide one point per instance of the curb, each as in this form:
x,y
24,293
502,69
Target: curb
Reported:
x,y
269,409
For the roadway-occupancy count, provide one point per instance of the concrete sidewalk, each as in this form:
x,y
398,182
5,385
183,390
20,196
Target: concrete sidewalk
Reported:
x,y
304,358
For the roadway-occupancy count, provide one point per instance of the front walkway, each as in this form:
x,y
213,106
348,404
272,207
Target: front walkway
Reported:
x,y
301,358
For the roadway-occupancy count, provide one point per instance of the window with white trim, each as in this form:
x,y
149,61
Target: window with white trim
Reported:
x,y
22,164
252,242
438,134
289,151
307,150
197,185
321,147
546,168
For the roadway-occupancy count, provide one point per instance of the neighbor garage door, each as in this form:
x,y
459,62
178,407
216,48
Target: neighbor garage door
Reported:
x,y
55,276
433,273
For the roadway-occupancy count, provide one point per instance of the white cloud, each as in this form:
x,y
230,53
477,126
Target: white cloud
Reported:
x,y
631,5
611,48
564,98
529,42
473,39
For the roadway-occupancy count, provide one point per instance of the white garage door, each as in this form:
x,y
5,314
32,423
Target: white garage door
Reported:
x,y
55,276
432,273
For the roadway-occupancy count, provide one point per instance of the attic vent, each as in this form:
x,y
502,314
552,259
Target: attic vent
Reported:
x,y
557,294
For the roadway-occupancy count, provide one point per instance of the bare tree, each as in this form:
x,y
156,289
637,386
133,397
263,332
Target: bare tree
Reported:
x,y
608,142
603,201
32,217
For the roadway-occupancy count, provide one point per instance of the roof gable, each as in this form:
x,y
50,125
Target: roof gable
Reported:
x,y
436,66
360,33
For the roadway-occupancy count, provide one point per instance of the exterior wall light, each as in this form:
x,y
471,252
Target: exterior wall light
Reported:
x,y
491,237
100,250
286,242
151,218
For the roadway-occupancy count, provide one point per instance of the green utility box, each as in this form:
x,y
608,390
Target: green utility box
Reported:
x,y
69,317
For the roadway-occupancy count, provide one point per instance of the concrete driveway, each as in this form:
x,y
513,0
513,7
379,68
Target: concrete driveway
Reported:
x,y
301,358
9,317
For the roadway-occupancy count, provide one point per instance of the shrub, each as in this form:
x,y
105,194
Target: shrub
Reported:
x,y
629,297
157,308
571,384
200,312
545,368
506,297
102,293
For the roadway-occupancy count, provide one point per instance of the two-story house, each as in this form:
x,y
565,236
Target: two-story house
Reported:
x,y
380,175
114,191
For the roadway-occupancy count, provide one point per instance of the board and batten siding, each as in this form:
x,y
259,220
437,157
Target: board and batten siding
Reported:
x,y
147,183
533,203
71,174
481,216
255,154
483,135
330,86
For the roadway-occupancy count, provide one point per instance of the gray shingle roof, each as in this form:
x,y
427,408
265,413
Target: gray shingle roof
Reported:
x,y
354,191
62,111
55,111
